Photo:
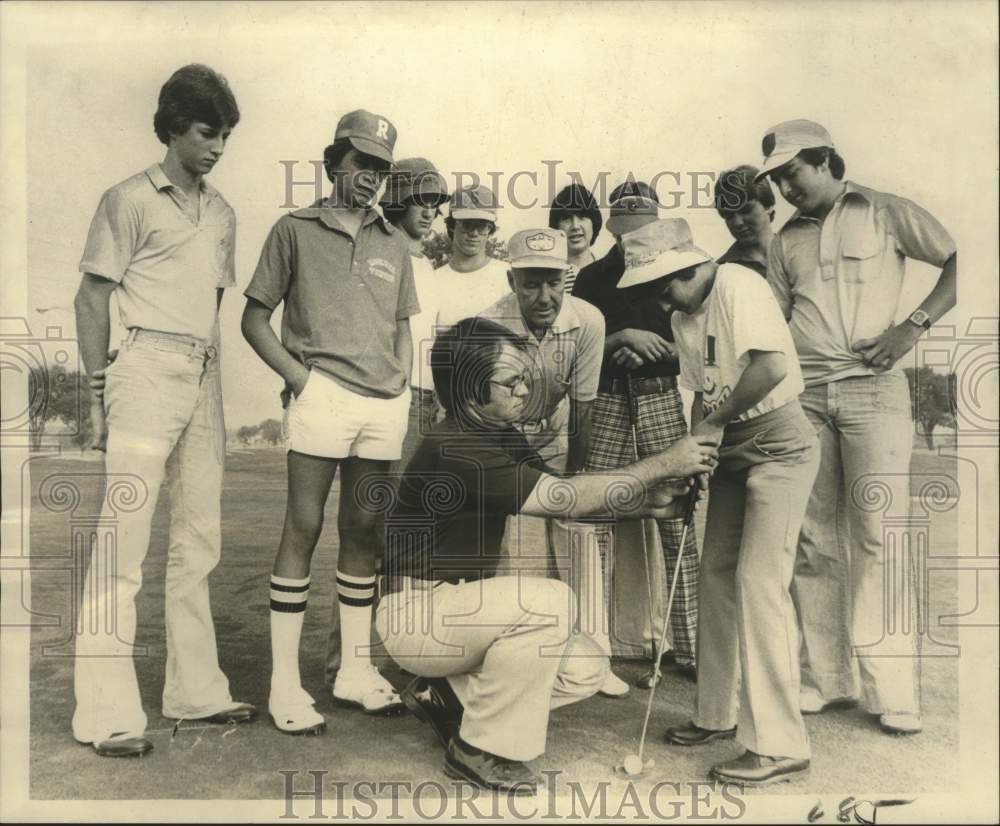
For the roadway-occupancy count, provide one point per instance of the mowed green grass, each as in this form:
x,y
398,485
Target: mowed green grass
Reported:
x,y
585,741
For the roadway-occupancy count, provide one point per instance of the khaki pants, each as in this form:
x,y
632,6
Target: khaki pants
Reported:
x,y
164,412
507,648
748,636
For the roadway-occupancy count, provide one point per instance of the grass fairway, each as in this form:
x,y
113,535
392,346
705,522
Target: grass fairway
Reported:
x,y
586,741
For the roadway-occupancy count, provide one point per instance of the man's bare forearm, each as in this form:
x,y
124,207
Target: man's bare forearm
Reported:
x,y
404,345
620,492
257,330
762,375
93,321
945,292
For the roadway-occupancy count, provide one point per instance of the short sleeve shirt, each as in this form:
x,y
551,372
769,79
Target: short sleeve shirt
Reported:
x,y
452,296
466,294
422,324
597,284
839,280
454,501
567,359
736,254
166,257
342,297
714,344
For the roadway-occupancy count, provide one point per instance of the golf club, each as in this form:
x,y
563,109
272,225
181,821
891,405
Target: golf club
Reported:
x,y
633,763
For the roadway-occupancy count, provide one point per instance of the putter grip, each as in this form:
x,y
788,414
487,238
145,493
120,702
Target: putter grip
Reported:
x,y
690,504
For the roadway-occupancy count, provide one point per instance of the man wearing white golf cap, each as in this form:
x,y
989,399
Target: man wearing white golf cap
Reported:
x,y
738,358
564,336
836,268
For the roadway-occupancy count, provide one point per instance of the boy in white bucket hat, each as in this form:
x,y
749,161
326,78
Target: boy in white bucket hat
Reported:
x,y
738,358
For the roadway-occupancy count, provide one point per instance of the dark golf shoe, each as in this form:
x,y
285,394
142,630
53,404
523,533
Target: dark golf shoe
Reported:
x,y
750,769
691,735
432,701
118,745
236,713
489,771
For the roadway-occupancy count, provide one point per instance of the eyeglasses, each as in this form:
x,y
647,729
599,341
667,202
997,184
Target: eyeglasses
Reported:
x,y
513,383
475,227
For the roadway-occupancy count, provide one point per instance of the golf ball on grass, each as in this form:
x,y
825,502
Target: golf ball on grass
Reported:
x,y
633,765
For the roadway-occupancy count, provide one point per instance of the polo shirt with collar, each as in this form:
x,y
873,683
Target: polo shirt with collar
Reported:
x,y
166,261
566,360
342,296
839,279
737,254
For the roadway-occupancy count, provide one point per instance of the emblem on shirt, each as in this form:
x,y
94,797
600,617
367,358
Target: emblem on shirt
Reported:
x,y
540,242
710,351
383,269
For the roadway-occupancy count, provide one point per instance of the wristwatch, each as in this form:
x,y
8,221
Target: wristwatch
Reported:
x,y
921,319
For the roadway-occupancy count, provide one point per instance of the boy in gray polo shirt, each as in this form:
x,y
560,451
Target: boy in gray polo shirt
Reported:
x,y
345,278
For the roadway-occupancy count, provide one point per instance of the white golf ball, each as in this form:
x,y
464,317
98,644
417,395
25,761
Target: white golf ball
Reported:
x,y
633,765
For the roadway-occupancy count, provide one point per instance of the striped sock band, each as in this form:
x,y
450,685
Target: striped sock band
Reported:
x,y
289,596
358,591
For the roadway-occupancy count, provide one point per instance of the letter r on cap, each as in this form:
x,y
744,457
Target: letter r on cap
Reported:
x,y
383,129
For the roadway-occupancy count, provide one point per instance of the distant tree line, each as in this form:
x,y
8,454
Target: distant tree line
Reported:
x,y
61,395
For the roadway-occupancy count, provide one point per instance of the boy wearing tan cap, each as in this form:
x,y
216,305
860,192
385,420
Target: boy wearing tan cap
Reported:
x,y
738,358
836,268
345,277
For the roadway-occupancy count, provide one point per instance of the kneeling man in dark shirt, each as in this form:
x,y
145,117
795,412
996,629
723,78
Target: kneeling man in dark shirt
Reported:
x,y
495,654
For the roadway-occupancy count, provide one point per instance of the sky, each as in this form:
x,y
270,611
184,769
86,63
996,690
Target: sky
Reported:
x,y
907,90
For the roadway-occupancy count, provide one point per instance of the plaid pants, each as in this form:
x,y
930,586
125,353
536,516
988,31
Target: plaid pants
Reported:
x,y
659,422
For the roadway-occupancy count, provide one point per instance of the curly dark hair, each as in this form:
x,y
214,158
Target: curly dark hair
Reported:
x,y
194,93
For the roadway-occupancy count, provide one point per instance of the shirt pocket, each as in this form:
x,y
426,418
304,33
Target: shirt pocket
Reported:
x,y
859,254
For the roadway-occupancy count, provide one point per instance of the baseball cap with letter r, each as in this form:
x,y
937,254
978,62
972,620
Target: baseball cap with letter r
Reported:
x,y
369,133
783,142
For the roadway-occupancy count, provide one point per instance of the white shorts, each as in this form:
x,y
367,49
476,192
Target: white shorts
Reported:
x,y
328,420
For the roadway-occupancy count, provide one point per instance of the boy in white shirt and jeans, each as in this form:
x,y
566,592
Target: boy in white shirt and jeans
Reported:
x,y
737,355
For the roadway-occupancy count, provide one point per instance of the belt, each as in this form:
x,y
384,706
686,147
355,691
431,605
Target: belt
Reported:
x,y
401,582
422,393
174,342
640,387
